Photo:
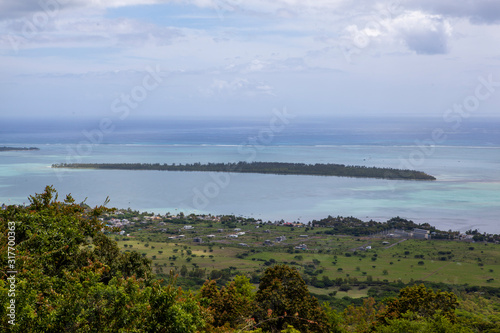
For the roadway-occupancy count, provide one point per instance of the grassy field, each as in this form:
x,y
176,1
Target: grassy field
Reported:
x,y
334,256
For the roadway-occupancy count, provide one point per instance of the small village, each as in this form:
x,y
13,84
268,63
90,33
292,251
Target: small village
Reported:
x,y
240,231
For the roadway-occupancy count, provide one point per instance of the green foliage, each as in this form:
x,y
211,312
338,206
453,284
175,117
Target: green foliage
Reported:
x,y
360,318
410,323
423,302
317,169
290,329
64,286
283,299
230,306
243,286
72,277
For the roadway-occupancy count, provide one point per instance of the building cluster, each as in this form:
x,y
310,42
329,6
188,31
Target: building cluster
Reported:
x,y
420,234
292,224
278,239
301,247
467,238
119,223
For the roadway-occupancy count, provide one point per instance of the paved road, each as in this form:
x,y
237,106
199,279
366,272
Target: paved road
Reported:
x,y
401,241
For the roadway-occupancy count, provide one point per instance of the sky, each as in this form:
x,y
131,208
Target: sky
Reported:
x,y
76,59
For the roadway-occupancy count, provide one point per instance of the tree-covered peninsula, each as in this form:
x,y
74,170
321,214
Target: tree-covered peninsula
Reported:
x,y
17,148
280,168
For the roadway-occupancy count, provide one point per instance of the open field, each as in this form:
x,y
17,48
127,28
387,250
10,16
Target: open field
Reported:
x,y
171,245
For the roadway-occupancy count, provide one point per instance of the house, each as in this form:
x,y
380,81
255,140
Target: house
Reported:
x,y
280,238
301,247
420,233
233,236
210,236
465,237
243,244
368,247
267,231
267,242
241,233
197,240
304,236
220,230
187,227
237,229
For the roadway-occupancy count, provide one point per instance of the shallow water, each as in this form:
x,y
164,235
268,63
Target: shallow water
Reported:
x,y
466,194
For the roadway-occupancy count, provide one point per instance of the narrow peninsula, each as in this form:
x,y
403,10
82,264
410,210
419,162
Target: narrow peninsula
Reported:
x,y
280,168
18,148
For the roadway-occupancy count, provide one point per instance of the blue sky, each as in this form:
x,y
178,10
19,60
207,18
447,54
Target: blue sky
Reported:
x,y
75,58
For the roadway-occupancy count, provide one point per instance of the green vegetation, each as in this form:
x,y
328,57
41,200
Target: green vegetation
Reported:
x,y
317,169
17,148
104,270
356,227
62,285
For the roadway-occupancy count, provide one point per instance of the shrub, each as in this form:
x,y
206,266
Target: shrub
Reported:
x,y
345,287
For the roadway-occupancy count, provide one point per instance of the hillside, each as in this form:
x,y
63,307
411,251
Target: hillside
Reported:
x,y
64,271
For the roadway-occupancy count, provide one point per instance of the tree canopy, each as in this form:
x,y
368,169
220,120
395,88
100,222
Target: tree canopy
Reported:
x,y
280,168
72,278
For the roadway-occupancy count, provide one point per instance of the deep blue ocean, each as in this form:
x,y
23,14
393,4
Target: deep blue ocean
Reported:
x,y
464,157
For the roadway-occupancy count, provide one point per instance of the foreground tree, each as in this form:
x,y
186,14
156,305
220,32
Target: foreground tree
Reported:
x,y
410,323
283,299
422,302
230,306
62,285
361,318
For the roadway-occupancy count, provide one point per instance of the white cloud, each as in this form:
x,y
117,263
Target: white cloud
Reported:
x,y
269,65
234,50
423,33
418,31
11,9
476,11
237,87
67,32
